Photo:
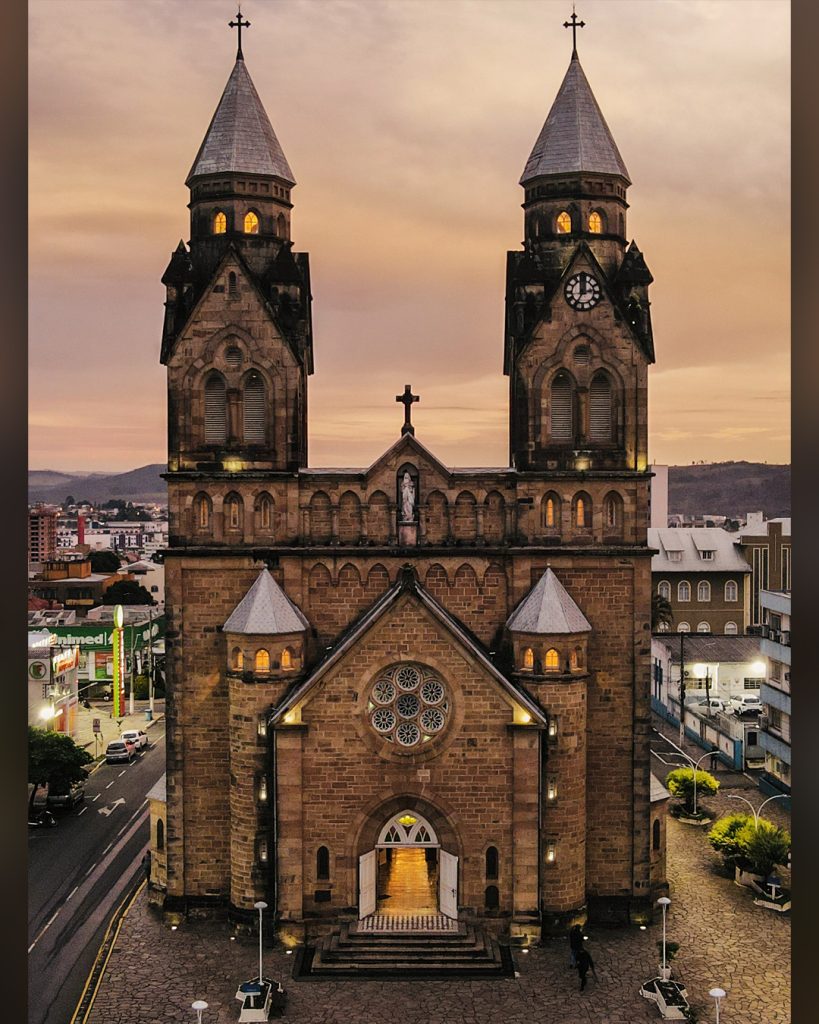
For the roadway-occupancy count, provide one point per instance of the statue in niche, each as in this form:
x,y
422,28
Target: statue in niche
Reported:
x,y
407,498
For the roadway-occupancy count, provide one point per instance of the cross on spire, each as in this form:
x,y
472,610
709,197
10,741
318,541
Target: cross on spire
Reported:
x,y
574,25
240,25
406,400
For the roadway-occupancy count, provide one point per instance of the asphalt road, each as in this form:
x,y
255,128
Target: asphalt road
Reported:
x,y
78,874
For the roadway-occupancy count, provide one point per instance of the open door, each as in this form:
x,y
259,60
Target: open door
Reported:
x,y
366,884
448,884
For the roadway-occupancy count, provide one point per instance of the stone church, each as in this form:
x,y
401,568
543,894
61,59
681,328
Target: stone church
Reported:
x,y
408,691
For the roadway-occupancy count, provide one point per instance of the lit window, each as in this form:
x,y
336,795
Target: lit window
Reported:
x,y
251,224
238,659
684,591
219,224
287,658
595,223
265,512
233,512
730,591
203,511
703,591
550,512
580,513
552,662
664,590
564,223
529,658
703,627
262,661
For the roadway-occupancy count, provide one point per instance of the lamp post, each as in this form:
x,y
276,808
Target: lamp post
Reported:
x,y
695,766
778,796
717,994
664,902
199,1006
261,906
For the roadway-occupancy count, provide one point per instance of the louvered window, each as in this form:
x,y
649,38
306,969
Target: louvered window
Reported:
x,y
215,410
600,408
254,410
561,408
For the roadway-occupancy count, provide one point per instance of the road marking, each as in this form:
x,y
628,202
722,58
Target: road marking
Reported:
x,y
68,897
127,823
110,784
82,811
107,848
93,798
44,930
88,872
109,810
121,774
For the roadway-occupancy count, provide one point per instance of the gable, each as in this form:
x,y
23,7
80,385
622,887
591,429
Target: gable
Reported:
x,y
408,449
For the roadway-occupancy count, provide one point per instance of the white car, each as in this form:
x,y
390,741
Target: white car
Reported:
x,y
135,736
715,703
745,702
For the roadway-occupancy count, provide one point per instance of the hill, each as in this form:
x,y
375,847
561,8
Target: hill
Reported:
x,y
730,489
144,484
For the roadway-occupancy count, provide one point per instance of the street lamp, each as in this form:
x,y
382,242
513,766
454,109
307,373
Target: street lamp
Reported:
x,y
199,1006
696,764
664,902
778,796
261,906
717,994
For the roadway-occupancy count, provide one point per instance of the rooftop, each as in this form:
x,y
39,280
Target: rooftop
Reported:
x,y
548,608
690,544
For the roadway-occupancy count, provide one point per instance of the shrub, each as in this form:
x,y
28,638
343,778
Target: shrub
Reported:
x,y
724,837
765,846
141,687
680,783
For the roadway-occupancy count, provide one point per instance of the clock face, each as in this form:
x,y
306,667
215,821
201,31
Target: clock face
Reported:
x,y
582,291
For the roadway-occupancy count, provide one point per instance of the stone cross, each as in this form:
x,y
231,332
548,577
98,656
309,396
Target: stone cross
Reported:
x,y
407,399
574,25
239,24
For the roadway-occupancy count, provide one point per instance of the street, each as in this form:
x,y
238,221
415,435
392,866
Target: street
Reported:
x,y
78,873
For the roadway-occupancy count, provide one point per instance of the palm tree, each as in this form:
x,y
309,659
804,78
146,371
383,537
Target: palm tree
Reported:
x,y
661,612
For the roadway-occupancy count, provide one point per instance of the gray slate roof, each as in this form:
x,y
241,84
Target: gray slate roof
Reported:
x,y
548,609
240,136
711,647
265,609
575,136
691,542
159,790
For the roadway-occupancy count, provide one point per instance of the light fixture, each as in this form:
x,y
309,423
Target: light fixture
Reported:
x,y
552,728
550,853
758,667
700,671
525,717
551,789
199,1006
263,789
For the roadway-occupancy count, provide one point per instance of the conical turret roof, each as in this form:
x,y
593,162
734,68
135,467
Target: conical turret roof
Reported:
x,y
240,136
548,608
266,609
575,136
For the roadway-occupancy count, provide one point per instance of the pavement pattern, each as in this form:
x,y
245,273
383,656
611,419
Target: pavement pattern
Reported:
x,y
154,974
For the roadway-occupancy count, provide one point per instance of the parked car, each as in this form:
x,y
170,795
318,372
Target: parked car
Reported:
x,y
118,751
715,703
61,796
136,736
745,702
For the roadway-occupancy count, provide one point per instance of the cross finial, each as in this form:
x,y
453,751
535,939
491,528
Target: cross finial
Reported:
x,y
574,25
406,400
240,25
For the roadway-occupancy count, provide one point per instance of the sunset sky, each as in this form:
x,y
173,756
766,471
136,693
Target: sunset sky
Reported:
x,y
407,124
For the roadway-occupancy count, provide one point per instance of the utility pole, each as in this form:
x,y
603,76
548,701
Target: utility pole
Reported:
x,y
150,660
682,689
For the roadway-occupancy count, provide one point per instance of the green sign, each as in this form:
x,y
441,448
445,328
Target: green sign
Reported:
x,y
99,636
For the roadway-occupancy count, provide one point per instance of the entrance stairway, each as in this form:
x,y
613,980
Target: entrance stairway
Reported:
x,y
355,952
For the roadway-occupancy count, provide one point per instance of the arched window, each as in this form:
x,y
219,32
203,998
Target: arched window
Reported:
x,y
552,661
561,419
491,898
262,663
233,512
731,591
528,659
611,511
491,862
322,864
683,628
655,834
664,590
219,223
160,834
264,512
662,627
215,409
253,409
238,659
703,591
202,510
582,355
576,659
582,512
600,408
564,223
683,591
595,223
232,289
703,627
251,223
281,226
287,658
731,628
551,512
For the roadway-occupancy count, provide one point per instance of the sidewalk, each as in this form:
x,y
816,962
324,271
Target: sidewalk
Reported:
x,y
110,728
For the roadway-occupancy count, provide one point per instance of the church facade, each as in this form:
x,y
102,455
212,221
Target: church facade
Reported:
x,y
408,667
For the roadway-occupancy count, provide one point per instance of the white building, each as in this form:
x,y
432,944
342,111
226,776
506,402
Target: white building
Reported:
x,y
776,691
52,683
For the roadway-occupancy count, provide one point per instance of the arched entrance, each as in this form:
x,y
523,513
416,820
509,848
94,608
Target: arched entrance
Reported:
x,y
408,872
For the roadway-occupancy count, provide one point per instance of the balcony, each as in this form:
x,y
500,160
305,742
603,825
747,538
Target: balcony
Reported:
x,y
771,694
777,645
776,746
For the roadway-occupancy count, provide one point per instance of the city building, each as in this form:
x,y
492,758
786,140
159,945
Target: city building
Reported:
x,y
53,683
42,534
702,574
70,582
408,659
775,722
150,575
766,547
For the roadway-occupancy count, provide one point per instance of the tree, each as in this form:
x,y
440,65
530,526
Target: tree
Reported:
x,y
680,783
54,759
127,592
765,845
724,837
104,561
661,612
69,500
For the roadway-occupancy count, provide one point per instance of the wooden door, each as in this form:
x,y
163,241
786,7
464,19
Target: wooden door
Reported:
x,y
367,869
448,884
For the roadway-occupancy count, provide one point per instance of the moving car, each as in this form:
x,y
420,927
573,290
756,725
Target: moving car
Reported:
x,y
136,736
118,751
745,702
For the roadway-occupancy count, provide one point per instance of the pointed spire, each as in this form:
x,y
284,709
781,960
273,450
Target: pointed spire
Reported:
x,y
266,609
575,136
240,137
548,608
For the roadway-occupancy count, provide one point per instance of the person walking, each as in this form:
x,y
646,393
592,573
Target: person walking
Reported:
x,y
146,864
575,944
584,964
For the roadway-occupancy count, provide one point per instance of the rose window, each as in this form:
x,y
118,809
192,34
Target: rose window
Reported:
x,y
408,705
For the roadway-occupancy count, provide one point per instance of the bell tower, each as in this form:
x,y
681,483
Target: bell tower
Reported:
x,y
578,330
